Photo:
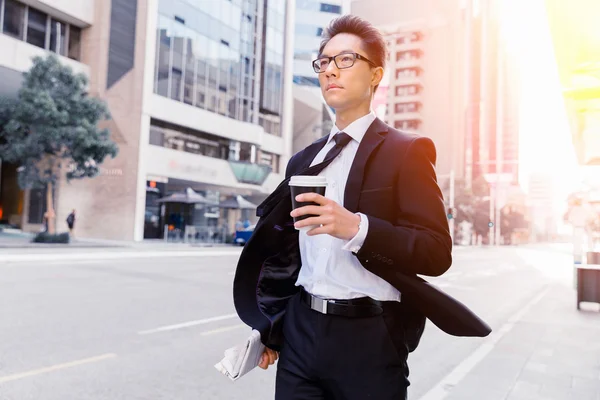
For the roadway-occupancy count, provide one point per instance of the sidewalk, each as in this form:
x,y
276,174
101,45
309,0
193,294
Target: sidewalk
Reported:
x,y
549,351
16,246
16,239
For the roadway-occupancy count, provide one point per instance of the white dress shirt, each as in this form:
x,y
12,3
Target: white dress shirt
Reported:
x,y
329,269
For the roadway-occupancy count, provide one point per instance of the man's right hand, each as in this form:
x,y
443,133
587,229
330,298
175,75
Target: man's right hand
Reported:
x,y
268,358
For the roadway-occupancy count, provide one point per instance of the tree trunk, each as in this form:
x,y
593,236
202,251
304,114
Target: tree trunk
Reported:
x,y
50,214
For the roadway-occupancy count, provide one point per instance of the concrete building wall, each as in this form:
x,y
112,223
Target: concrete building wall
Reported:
x,y
112,205
108,204
17,56
79,12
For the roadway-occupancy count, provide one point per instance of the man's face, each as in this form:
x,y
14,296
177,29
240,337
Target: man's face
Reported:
x,y
348,87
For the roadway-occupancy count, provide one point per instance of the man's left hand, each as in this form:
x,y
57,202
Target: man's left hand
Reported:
x,y
331,218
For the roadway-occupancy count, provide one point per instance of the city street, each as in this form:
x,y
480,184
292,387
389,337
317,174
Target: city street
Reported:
x,y
153,327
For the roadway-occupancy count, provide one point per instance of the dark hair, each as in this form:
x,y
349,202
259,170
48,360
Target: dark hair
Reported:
x,y
373,42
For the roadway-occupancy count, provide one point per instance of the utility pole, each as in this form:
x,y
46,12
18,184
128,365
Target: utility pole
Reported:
x,y
499,139
451,205
492,229
468,72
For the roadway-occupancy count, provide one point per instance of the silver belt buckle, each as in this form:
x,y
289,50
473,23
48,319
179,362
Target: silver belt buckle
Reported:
x,y
318,304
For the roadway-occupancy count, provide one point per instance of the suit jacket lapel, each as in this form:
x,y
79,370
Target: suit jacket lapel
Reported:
x,y
372,139
282,191
311,152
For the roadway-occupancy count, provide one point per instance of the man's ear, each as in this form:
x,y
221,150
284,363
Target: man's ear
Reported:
x,y
377,76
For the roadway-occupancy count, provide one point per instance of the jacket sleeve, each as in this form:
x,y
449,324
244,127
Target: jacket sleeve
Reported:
x,y
418,240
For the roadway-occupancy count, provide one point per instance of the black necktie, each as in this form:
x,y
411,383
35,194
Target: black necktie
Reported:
x,y
283,190
341,140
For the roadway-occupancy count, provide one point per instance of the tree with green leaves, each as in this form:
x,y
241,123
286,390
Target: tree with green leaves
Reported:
x,y
51,129
511,221
471,204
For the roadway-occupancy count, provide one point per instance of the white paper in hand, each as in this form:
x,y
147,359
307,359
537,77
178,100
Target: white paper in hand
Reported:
x,y
241,359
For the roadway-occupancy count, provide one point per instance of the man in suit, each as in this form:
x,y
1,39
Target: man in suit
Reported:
x,y
341,305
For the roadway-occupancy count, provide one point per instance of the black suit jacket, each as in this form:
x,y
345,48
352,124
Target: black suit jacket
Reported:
x,y
392,180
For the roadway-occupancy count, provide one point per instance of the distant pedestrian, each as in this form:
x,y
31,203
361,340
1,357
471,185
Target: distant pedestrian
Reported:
x,y
239,225
71,222
45,222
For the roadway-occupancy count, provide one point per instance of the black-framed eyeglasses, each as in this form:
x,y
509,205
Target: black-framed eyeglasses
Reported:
x,y
342,61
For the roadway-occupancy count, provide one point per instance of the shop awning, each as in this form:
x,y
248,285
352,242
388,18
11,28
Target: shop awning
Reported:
x,y
238,203
246,172
189,196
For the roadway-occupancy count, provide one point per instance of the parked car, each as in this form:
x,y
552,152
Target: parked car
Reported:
x,y
242,236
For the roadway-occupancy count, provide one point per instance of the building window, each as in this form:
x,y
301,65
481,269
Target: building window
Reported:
x,y
407,73
415,37
58,37
412,124
408,55
331,8
270,159
179,138
271,84
245,152
408,90
36,28
407,107
74,43
40,30
14,19
209,62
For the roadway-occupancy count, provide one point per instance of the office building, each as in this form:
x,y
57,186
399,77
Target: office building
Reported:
x,y
312,117
197,92
443,82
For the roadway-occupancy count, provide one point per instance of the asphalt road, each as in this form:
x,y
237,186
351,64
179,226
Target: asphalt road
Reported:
x,y
152,328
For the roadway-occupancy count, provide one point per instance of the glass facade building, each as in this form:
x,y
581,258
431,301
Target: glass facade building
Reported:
x,y
272,65
312,17
223,56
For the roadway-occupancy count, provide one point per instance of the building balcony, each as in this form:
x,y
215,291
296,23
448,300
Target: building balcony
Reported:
x,y
407,98
406,116
17,56
404,80
408,63
409,45
80,12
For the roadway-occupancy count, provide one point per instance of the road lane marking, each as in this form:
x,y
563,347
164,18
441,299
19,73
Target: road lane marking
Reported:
x,y
57,367
187,324
66,257
224,329
453,286
445,386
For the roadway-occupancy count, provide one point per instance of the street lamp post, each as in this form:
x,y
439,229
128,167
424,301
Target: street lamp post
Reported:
x,y
499,138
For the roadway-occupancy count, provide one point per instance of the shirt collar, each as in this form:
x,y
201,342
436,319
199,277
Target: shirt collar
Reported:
x,y
357,129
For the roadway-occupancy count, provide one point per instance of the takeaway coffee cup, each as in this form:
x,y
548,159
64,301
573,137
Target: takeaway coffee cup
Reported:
x,y
306,184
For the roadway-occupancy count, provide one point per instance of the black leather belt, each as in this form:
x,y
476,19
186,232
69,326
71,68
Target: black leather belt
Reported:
x,y
356,308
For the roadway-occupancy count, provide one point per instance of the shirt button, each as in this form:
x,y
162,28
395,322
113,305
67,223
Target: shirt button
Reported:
x,y
333,184
323,250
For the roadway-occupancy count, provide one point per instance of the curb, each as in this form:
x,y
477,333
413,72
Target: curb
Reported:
x,y
17,258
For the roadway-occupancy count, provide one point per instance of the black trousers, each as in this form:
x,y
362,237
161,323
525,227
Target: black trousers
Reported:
x,y
329,357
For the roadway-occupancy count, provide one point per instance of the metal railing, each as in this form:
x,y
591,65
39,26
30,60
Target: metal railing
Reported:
x,y
196,234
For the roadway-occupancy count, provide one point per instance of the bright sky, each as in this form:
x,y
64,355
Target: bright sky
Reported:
x,y
545,137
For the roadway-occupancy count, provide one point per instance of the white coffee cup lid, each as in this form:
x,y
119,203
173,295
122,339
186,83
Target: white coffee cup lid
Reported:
x,y
308,180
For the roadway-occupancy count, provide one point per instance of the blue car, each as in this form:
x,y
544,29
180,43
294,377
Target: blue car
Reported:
x,y
241,237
